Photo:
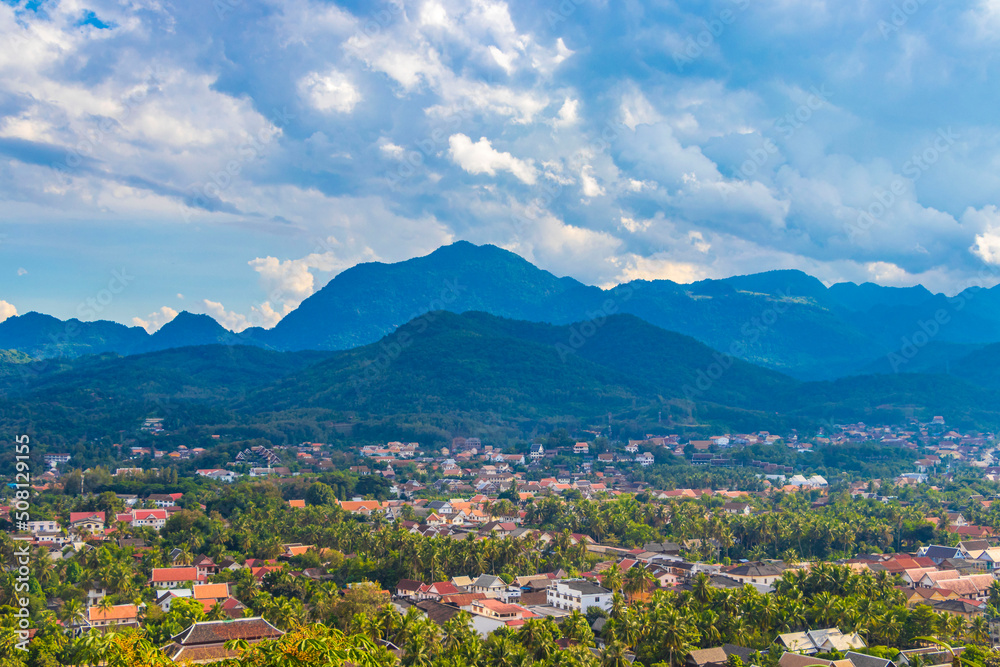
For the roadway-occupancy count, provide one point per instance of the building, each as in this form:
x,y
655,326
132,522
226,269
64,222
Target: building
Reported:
x,y
43,526
119,615
206,642
174,577
755,573
92,522
489,585
578,595
154,519
811,642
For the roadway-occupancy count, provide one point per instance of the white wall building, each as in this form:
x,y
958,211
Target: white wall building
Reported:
x,y
579,595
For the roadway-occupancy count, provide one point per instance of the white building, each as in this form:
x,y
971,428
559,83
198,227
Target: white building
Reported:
x,y
45,526
579,595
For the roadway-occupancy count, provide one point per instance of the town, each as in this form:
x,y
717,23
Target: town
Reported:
x,y
586,547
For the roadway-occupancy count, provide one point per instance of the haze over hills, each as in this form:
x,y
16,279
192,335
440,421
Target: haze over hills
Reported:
x,y
783,320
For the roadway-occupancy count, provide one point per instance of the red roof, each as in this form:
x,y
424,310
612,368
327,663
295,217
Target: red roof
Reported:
x,y
80,516
165,574
444,588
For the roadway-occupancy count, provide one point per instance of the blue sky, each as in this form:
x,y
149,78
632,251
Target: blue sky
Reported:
x,y
231,156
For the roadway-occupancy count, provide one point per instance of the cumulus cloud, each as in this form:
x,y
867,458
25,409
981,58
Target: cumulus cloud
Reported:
x,y
482,158
7,310
637,167
229,319
330,91
156,319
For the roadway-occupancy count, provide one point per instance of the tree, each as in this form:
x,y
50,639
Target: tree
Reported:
x,y
321,494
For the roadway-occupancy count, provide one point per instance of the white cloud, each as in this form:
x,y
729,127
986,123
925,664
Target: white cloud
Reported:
x,y
569,113
155,320
504,60
482,158
7,310
391,150
228,319
589,184
22,271
331,91
986,221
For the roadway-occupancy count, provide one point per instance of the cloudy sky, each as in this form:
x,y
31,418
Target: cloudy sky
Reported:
x,y
231,156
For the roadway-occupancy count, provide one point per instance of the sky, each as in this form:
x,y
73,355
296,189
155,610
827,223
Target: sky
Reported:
x,y
230,157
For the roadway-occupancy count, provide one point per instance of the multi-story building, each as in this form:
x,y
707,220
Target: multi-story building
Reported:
x,y
578,595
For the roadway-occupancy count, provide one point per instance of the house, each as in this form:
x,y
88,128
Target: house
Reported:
x,y
645,459
706,657
154,519
799,660
501,611
537,452
737,508
211,592
206,641
755,573
820,641
938,553
91,522
164,499
581,448
120,615
963,608
864,660
578,595
928,596
43,526
205,566
437,590
408,588
174,577
489,585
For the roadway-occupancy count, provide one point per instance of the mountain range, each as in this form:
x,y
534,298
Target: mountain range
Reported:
x,y
786,321
443,373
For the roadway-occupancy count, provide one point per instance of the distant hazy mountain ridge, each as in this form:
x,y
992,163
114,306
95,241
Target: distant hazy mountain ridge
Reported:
x,y
783,320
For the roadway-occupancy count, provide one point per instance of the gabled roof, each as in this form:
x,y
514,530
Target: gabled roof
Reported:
x,y
489,581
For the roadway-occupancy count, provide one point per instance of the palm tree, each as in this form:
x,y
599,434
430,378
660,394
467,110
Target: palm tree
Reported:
x,y
72,612
637,580
614,655
217,613
612,578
